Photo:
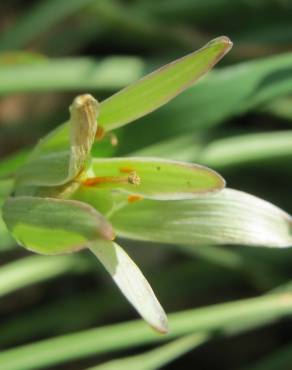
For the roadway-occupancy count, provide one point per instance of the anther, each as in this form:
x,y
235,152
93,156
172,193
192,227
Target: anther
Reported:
x,y
134,179
134,198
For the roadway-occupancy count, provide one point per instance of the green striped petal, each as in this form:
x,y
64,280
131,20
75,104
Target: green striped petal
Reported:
x,y
154,178
54,226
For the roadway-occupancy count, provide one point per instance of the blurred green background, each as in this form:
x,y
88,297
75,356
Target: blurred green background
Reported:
x,y
237,120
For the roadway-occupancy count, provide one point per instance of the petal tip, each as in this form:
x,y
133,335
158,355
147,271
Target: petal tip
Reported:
x,y
160,324
162,327
85,99
224,43
225,40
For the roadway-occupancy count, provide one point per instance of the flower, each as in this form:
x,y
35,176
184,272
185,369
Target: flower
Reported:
x,y
63,199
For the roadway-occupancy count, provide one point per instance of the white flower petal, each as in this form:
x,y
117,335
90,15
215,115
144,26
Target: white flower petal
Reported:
x,y
131,282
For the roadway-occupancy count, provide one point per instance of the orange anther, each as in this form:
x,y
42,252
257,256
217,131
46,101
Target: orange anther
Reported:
x,y
92,181
126,170
132,179
134,198
100,133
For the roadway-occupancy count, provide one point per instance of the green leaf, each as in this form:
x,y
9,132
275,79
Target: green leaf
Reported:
x,y
156,358
54,226
245,149
131,282
184,147
214,319
154,178
63,153
248,149
229,217
70,74
35,269
156,89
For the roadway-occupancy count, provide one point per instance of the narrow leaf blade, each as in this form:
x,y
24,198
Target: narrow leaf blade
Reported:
x,y
157,88
214,318
155,359
35,269
131,282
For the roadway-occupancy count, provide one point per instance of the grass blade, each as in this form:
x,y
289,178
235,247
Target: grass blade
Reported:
x,y
156,358
70,74
243,149
219,317
35,269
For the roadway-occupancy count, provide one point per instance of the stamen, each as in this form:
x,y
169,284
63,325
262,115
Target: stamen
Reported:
x,y
132,179
134,198
126,170
100,133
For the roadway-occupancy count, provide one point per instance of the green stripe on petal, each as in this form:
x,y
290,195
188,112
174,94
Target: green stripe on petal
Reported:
x,y
154,178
